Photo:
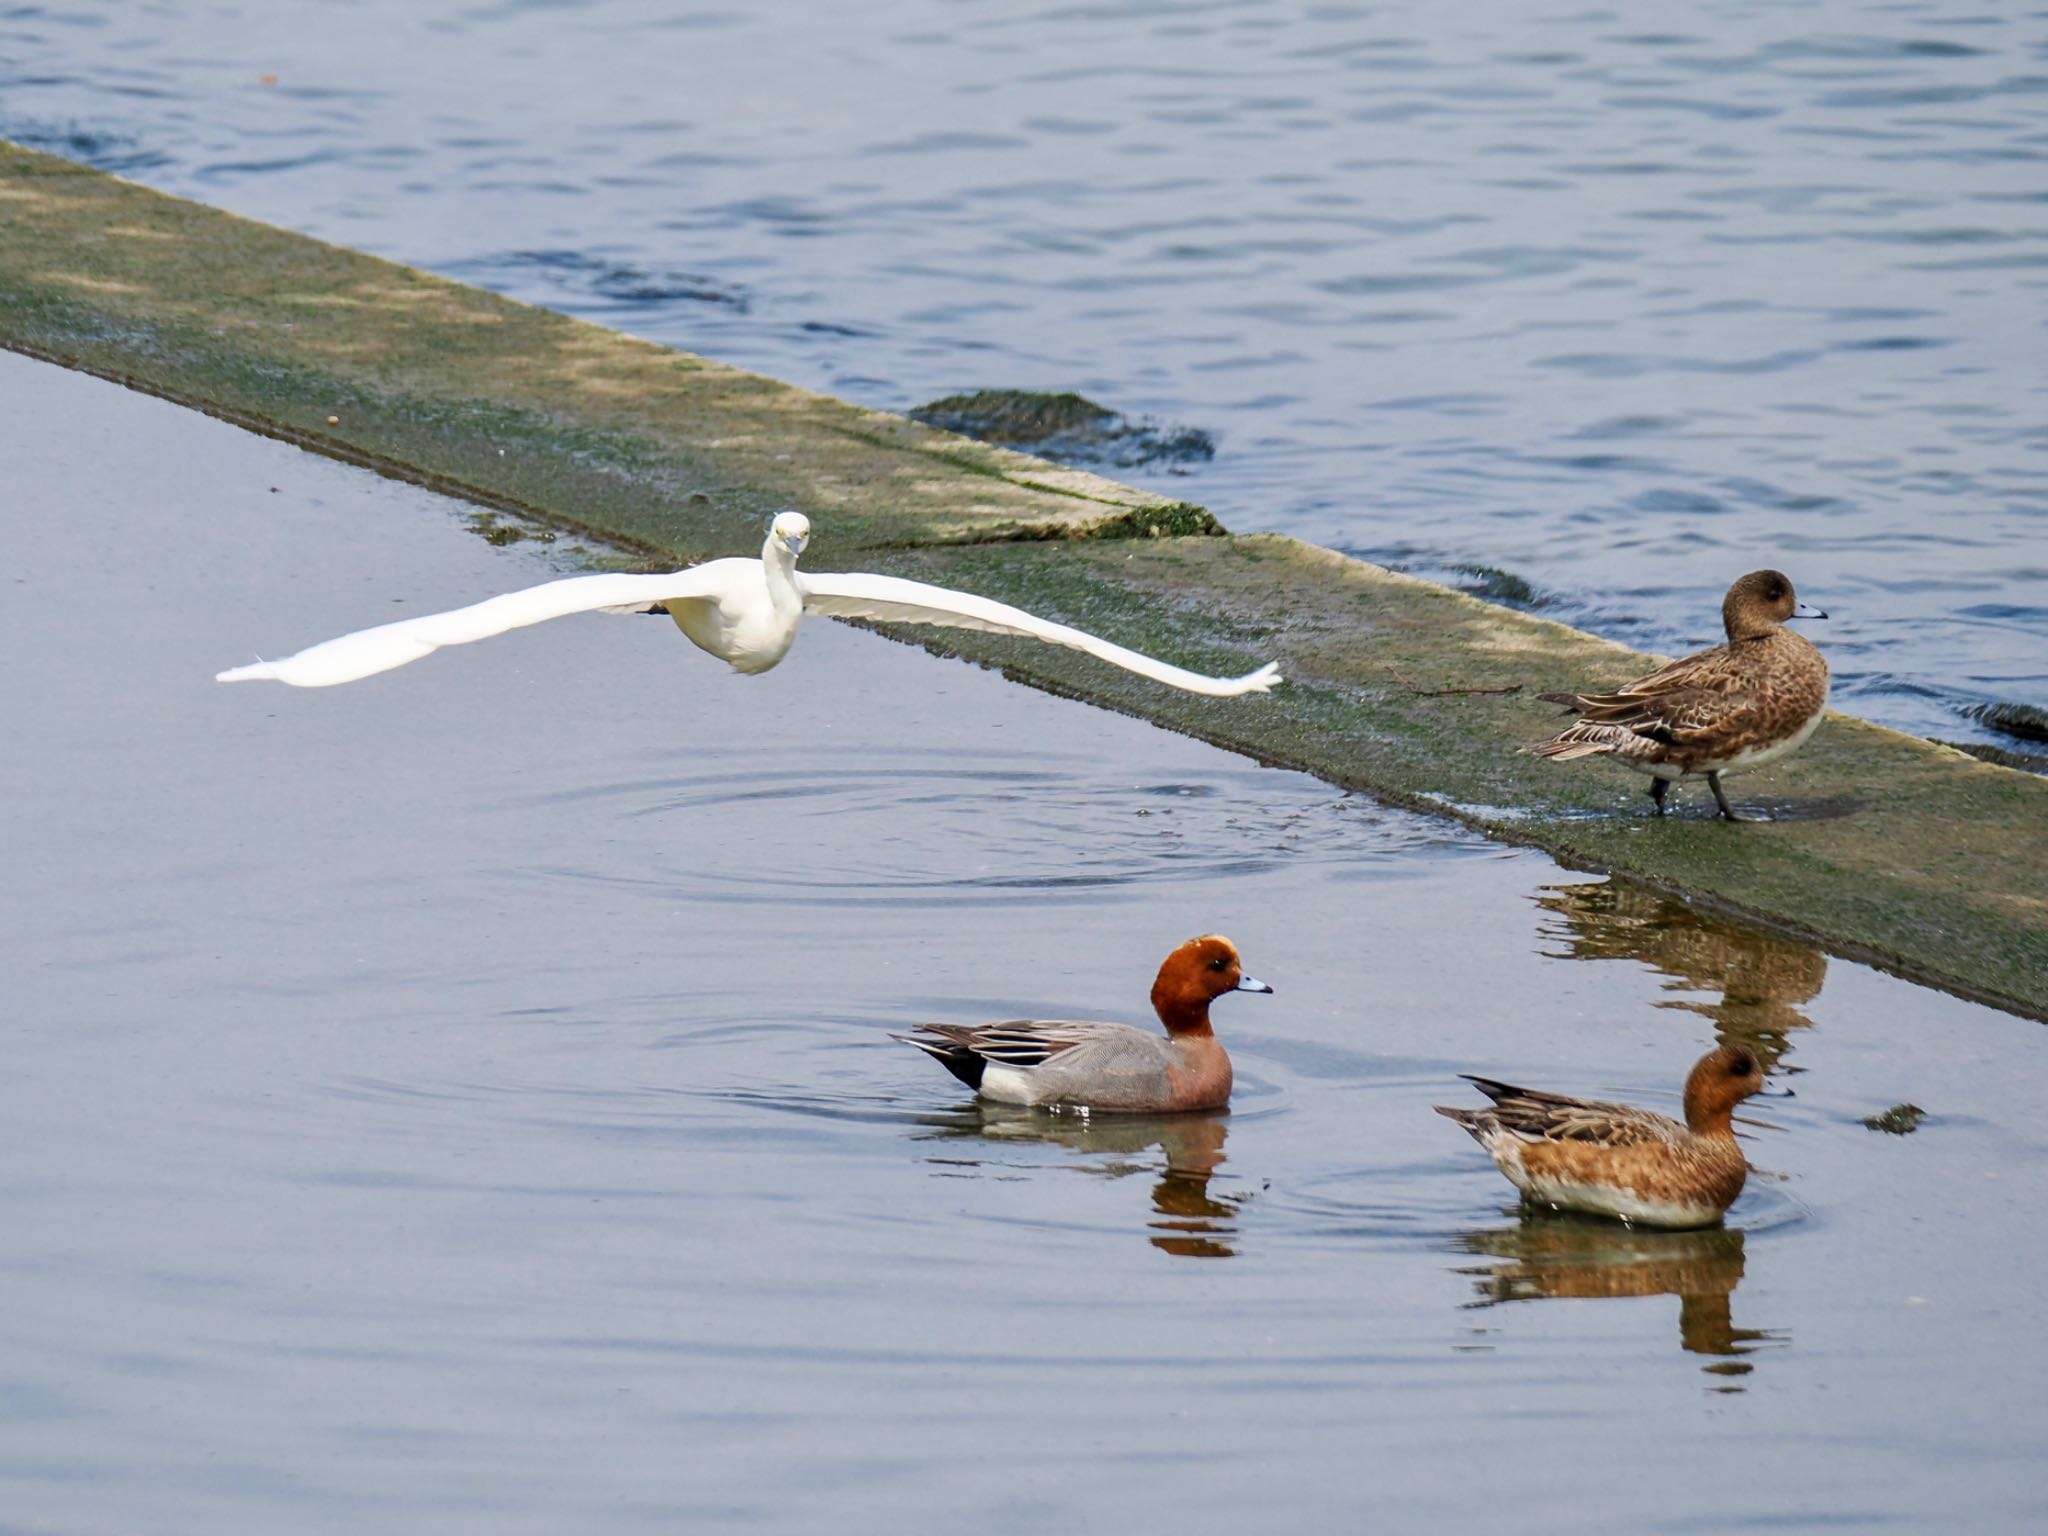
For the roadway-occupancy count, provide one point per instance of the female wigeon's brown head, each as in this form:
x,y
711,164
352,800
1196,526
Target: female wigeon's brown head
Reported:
x,y
1194,975
1718,1082
1759,603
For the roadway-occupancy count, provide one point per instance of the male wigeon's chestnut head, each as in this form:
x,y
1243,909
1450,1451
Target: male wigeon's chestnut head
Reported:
x,y
1718,1082
1193,976
1760,602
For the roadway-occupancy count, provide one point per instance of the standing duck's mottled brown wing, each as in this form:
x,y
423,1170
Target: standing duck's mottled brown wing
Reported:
x,y
1703,696
1538,1116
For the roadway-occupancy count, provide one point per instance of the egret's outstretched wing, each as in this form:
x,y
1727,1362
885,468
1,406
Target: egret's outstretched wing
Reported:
x,y
893,600
370,651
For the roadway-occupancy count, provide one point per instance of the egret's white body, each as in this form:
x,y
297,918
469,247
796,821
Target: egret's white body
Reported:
x,y
745,612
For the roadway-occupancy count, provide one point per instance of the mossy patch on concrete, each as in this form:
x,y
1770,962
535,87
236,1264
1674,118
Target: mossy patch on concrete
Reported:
x,y
1064,427
1887,848
2021,720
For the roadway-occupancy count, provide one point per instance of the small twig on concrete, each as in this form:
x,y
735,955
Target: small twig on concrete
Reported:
x,y
1439,693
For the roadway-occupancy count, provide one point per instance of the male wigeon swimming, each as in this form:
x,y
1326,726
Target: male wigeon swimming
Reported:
x,y
1114,1067
1726,710
1611,1160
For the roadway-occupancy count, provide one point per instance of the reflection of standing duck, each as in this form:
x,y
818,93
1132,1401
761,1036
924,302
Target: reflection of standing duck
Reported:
x,y
1615,1160
1764,978
1565,1258
1194,1222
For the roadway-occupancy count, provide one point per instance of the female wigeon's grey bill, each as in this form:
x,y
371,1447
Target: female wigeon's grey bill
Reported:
x,y
1808,611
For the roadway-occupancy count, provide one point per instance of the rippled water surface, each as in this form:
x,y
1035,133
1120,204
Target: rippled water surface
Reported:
x,y
463,1101
1624,300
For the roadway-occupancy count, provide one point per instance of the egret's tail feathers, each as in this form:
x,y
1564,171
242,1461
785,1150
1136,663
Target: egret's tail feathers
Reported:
x,y
1257,682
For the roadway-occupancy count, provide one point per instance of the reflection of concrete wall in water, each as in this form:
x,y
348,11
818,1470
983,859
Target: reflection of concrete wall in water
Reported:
x,y
1571,1259
1764,978
1192,1222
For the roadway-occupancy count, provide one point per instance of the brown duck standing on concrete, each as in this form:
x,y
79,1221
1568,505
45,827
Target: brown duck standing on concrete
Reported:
x,y
1726,710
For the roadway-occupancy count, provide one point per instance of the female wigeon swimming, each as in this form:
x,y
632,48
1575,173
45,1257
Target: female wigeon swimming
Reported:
x,y
1611,1160
1726,710
1115,1067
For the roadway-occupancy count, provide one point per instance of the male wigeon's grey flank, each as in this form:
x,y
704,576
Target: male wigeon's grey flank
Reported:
x,y
1726,710
1611,1160
1112,1067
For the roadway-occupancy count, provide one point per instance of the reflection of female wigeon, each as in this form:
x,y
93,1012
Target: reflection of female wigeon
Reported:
x,y
1611,1160
1096,1066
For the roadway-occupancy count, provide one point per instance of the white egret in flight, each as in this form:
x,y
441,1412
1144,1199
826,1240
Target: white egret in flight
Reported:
x,y
744,612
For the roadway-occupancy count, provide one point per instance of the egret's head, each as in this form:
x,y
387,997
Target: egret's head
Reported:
x,y
792,530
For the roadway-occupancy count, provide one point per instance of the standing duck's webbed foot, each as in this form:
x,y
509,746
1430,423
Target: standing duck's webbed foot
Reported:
x,y
1721,799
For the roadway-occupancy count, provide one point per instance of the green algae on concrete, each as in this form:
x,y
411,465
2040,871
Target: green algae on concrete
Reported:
x,y
1888,848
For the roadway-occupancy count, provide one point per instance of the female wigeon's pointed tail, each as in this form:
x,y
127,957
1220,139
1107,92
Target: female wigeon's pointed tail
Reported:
x,y
1471,1119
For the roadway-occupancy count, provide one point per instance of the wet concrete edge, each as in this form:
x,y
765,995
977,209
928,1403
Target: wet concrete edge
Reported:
x,y
1896,851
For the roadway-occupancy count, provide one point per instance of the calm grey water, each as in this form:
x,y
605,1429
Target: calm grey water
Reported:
x,y
463,1101
1627,300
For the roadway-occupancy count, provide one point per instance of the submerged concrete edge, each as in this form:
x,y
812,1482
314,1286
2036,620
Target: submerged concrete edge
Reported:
x,y
1898,852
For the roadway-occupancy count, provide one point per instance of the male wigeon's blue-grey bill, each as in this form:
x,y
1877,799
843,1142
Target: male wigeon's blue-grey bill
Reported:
x,y
1730,709
1081,1064
1612,1160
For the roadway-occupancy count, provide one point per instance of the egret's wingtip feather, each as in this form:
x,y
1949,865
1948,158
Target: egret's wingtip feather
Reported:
x,y
256,671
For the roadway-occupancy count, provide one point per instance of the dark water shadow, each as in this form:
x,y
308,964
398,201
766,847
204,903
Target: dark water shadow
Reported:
x,y
1186,1217
1563,1257
1765,980
1818,808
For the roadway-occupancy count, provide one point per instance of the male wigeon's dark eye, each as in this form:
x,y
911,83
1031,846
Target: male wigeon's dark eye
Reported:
x,y
1219,964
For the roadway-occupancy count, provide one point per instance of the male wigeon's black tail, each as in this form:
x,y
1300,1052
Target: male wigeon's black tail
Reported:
x,y
955,1055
